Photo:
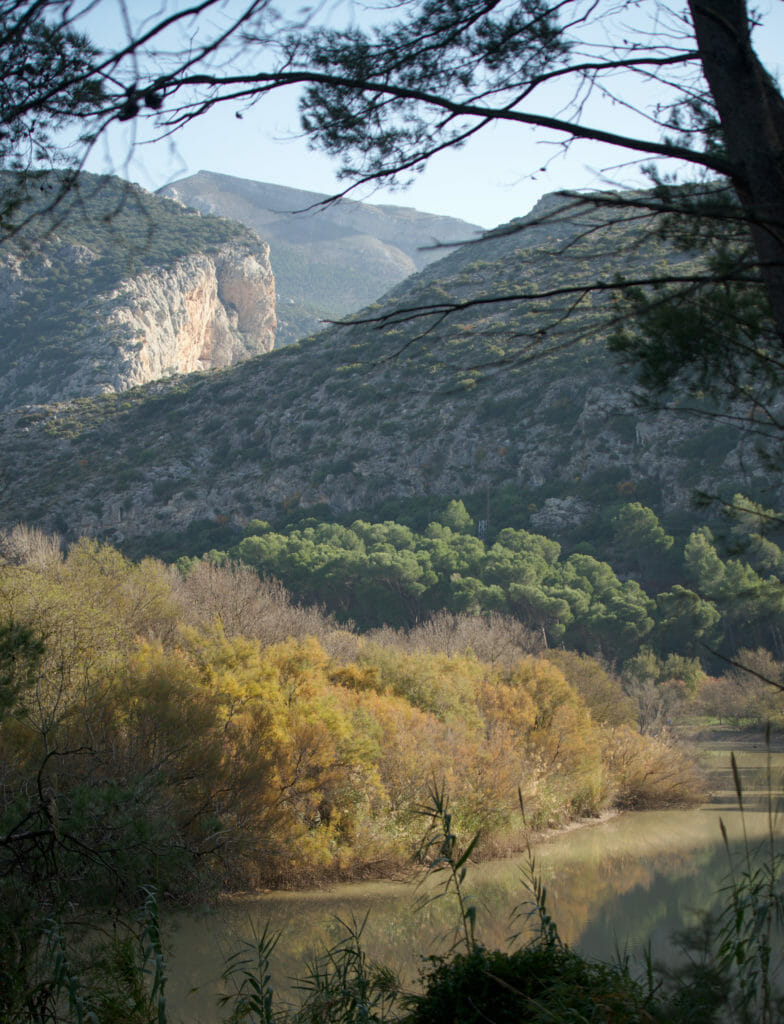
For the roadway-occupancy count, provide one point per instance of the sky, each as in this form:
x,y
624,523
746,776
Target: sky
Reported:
x,y
496,176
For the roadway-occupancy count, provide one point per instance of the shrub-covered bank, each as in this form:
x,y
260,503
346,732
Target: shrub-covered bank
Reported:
x,y
196,734
185,750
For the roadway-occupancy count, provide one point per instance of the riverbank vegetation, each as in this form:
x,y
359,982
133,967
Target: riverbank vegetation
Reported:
x,y
193,732
223,728
200,733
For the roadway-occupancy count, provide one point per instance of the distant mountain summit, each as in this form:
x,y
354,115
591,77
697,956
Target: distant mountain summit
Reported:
x,y
112,286
329,258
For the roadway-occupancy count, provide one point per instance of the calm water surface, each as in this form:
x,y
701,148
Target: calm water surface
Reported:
x,y
635,879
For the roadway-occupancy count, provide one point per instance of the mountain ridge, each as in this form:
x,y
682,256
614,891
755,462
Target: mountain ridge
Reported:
x,y
330,258
116,287
497,397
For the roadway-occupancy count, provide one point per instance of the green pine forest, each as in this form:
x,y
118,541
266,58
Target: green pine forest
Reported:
x,y
699,598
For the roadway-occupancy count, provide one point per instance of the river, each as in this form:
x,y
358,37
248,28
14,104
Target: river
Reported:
x,y
618,885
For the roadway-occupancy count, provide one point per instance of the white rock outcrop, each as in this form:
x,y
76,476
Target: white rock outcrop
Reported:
x,y
204,313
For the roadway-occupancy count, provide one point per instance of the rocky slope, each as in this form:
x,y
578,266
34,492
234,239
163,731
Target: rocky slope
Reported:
x,y
512,399
84,312
329,260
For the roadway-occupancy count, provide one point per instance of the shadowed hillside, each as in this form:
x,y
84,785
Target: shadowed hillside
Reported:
x,y
516,401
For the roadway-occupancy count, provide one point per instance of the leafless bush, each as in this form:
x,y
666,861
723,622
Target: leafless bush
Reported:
x,y
341,643
750,693
495,639
245,604
26,545
658,704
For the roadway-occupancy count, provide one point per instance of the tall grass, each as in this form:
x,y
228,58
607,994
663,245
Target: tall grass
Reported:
x,y
752,908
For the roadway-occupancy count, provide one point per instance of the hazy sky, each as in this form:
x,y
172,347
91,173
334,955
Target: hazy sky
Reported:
x,y
498,175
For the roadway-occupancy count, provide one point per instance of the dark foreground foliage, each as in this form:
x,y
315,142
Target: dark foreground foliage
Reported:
x,y
539,983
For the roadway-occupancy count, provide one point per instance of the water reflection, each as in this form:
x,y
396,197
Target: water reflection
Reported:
x,y
620,885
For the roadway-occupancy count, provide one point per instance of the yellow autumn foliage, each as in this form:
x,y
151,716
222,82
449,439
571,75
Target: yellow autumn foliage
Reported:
x,y
259,764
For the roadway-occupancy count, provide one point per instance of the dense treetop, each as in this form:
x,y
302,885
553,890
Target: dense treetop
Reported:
x,y
687,598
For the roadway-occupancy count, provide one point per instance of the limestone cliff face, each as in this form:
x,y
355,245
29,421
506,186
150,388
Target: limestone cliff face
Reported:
x,y
205,311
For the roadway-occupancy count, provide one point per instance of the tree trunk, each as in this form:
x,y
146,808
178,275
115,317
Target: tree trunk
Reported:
x,y
751,112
